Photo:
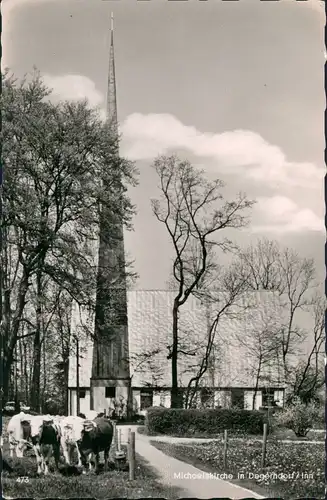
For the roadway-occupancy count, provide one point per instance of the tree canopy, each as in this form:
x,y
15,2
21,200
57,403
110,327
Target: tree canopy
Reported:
x,y
61,169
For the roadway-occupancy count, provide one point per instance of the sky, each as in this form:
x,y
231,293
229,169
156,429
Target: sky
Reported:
x,y
234,87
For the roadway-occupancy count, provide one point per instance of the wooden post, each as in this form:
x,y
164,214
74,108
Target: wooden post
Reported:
x,y
225,448
128,443
131,456
115,436
264,445
119,440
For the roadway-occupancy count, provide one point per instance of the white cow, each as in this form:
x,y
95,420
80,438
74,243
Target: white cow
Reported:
x,y
45,435
71,433
18,433
91,414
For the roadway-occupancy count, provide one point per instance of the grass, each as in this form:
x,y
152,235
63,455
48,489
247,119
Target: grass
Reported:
x,y
23,482
292,470
113,484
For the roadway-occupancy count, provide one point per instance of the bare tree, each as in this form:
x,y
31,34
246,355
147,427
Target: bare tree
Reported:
x,y
270,267
309,374
260,342
222,295
194,214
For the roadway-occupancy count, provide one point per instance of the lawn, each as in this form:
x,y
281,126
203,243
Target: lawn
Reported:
x,y
292,470
113,484
24,482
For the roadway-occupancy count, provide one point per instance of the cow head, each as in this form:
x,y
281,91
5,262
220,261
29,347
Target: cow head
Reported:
x,y
89,426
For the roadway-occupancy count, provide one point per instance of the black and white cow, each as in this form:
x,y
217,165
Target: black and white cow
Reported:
x,y
45,436
96,436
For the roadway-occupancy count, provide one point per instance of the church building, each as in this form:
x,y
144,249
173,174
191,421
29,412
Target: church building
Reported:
x,y
126,359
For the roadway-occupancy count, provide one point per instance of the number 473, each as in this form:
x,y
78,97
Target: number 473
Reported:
x,y
23,479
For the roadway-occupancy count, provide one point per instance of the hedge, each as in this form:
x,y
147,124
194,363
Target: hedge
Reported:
x,y
180,422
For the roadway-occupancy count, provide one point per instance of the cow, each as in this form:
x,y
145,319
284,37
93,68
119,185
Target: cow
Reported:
x,y
91,414
45,436
5,466
19,433
97,436
71,433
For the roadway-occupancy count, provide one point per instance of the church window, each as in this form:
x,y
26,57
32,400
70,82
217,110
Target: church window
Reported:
x,y
146,399
268,397
82,393
110,392
237,398
207,397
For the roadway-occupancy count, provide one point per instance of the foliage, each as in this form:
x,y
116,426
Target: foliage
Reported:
x,y
187,422
307,384
62,170
298,416
292,470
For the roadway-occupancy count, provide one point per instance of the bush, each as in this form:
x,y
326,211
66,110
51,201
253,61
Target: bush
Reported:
x,y
298,417
180,422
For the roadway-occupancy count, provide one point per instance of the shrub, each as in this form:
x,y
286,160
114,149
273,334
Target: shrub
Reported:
x,y
183,422
298,417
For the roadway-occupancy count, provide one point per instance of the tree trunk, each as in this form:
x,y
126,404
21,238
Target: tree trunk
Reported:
x,y
27,392
176,401
10,330
35,389
66,375
77,377
21,354
44,373
130,399
256,385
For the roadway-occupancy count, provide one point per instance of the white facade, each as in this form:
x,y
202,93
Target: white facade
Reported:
x,y
222,398
150,332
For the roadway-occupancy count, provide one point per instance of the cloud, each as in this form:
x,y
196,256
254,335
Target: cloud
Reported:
x,y
282,215
8,7
73,88
237,151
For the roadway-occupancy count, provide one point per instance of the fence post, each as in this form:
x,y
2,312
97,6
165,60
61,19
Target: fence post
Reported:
x,y
128,442
131,455
264,445
113,447
225,448
114,436
119,440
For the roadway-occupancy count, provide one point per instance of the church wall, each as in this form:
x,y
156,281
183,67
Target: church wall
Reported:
x,y
84,403
150,316
248,400
222,398
258,400
156,398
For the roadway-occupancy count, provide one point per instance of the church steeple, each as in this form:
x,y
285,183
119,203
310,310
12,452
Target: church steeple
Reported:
x,y
110,367
111,92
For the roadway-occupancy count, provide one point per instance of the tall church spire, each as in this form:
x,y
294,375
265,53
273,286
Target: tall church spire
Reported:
x,y
111,92
110,366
